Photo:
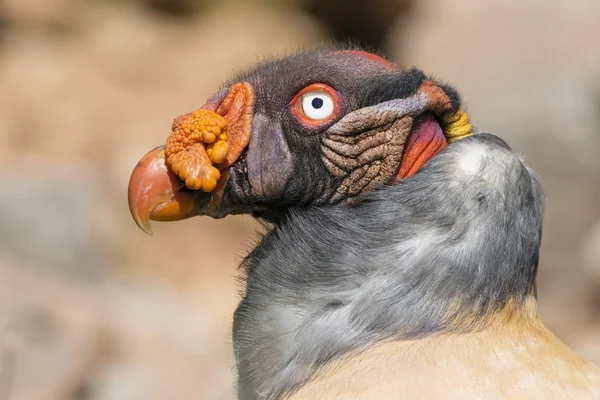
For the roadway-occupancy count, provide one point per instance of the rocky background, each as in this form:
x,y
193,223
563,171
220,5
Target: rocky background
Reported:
x,y
91,308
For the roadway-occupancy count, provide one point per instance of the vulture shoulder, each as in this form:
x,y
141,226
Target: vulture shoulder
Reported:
x,y
520,360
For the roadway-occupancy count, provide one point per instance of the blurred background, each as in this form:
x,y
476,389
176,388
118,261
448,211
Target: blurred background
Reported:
x,y
91,308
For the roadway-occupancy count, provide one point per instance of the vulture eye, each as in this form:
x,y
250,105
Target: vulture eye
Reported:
x,y
316,104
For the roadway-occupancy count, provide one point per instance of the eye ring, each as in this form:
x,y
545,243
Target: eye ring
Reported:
x,y
316,105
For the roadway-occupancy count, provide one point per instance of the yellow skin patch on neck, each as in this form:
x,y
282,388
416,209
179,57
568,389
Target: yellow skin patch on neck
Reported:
x,y
457,126
198,142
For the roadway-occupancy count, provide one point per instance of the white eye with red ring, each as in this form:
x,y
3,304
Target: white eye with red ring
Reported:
x,y
316,105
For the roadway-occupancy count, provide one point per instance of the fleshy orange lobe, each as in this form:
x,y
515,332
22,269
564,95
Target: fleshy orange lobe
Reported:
x,y
237,109
205,142
198,141
423,144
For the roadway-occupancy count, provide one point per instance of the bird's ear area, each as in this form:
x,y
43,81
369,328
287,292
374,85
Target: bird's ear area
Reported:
x,y
374,145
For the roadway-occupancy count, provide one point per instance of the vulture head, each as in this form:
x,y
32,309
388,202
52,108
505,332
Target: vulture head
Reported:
x,y
319,128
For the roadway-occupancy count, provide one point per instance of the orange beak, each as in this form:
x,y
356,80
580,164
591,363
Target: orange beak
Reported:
x,y
155,192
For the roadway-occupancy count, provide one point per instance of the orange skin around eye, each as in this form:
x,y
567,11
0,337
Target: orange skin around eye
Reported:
x,y
296,105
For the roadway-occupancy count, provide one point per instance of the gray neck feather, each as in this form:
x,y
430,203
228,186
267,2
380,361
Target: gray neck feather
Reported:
x,y
459,239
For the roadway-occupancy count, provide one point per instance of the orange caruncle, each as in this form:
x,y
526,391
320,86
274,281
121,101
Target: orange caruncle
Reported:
x,y
197,142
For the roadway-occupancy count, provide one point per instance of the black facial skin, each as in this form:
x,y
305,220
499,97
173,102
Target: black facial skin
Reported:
x,y
284,155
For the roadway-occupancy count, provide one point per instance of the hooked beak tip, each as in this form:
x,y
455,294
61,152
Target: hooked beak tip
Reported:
x,y
151,184
142,221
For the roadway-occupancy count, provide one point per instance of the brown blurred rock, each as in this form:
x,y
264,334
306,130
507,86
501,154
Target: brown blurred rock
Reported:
x,y
590,252
367,22
57,342
525,70
164,347
49,221
589,344
110,341
37,11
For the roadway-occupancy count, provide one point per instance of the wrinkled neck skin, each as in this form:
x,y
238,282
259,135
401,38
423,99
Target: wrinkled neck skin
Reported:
x,y
452,249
